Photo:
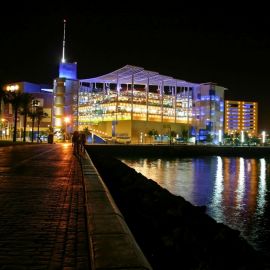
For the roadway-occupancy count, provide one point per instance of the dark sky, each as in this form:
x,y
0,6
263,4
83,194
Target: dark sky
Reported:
x,y
197,43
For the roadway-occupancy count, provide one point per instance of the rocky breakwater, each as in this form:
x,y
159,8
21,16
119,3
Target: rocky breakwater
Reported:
x,y
172,233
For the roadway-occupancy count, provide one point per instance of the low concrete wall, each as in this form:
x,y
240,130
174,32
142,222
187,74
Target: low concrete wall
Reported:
x,y
160,150
112,245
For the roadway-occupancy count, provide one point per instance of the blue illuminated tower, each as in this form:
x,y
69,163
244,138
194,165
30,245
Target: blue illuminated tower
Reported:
x,y
67,70
65,90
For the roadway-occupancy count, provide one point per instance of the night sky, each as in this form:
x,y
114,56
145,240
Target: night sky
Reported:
x,y
225,45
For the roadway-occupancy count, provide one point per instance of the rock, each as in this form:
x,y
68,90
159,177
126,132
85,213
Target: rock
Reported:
x,y
172,233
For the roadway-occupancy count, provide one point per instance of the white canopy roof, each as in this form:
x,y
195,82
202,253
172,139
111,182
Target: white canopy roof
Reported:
x,y
138,75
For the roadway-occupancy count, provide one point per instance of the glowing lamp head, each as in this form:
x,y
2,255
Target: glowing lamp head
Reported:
x,y
12,88
67,119
242,136
220,136
263,137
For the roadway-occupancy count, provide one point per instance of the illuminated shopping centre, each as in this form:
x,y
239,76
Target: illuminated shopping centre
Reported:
x,y
132,101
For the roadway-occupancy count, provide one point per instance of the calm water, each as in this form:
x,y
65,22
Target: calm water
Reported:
x,y
235,190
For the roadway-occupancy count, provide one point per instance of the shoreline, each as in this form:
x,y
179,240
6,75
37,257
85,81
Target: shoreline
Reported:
x,y
170,230
162,150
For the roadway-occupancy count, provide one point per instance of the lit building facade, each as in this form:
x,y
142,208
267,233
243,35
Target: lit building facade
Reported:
x,y
241,116
65,98
43,97
131,101
208,111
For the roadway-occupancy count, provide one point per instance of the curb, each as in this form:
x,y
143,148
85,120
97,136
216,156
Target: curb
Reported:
x,y
111,243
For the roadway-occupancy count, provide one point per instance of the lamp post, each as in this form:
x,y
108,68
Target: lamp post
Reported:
x,y
263,137
242,137
66,120
219,136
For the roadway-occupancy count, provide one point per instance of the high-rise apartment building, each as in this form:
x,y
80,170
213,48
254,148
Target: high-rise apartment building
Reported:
x,y
241,116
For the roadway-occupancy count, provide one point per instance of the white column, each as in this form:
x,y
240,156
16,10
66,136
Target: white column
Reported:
x,y
162,92
132,90
147,96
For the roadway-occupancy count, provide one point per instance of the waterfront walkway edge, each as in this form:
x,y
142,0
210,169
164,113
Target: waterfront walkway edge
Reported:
x,y
111,243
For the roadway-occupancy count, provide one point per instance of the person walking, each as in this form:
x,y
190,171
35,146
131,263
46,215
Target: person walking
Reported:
x,y
82,142
75,141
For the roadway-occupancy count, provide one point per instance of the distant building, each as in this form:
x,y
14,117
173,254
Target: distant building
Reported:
x,y
42,96
208,111
241,116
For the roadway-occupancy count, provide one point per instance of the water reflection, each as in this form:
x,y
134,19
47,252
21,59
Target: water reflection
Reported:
x,y
218,190
240,190
235,190
262,186
236,204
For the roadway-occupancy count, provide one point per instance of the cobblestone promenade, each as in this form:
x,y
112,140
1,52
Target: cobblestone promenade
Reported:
x,y
42,214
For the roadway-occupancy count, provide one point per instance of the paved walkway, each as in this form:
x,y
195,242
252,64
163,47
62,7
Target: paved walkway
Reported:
x,y
42,209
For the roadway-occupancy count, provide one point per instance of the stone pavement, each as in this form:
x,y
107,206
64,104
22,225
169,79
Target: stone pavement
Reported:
x,y
42,209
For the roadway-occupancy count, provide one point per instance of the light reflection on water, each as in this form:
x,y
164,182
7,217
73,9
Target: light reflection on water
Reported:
x,y
235,190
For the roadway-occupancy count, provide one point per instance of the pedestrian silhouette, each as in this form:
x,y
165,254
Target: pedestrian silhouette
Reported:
x,y
75,141
82,141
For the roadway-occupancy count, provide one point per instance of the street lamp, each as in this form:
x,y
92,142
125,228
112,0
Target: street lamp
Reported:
x,y
242,137
219,136
263,137
66,120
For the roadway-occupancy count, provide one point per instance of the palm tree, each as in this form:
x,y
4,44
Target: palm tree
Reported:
x,y
40,115
2,99
172,135
86,131
228,138
152,133
25,104
209,138
185,134
15,98
33,115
